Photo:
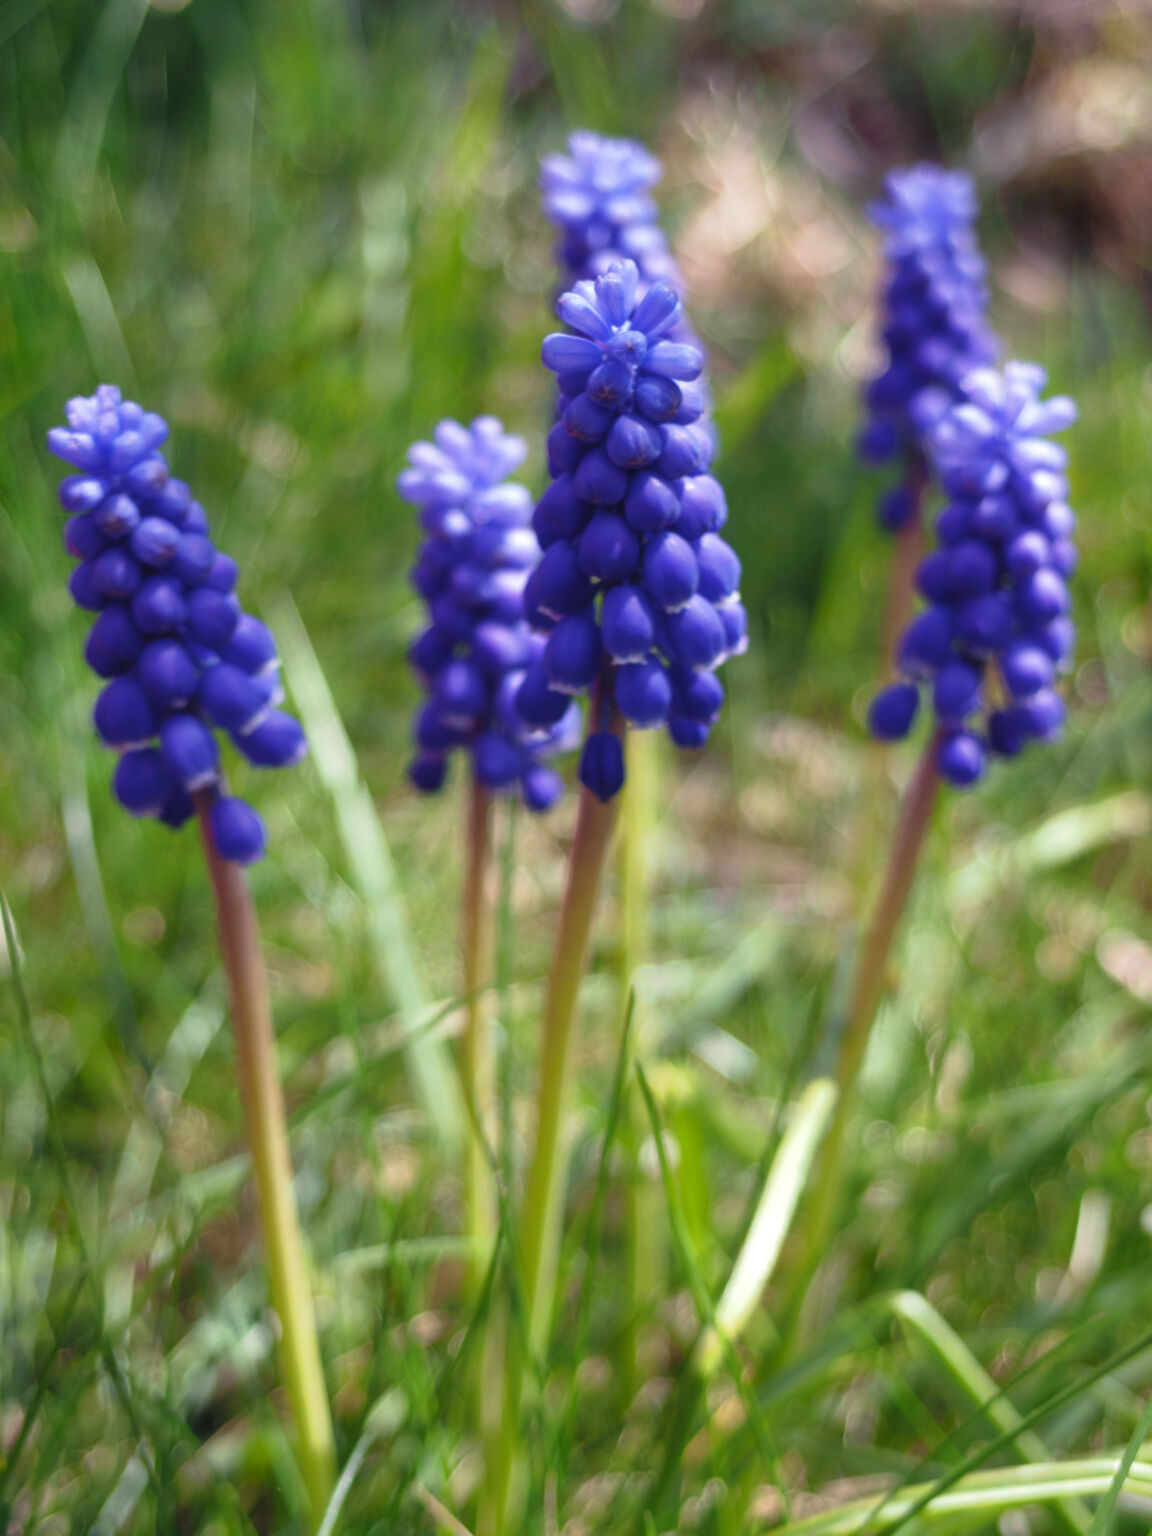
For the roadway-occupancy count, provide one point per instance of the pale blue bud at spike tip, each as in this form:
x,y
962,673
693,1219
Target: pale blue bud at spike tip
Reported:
x,y
934,323
996,632
637,595
599,197
178,654
472,572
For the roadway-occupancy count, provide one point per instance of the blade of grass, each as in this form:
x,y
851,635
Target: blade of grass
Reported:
x,y
93,91
594,1228
77,815
370,859
692,1381
757,1258
1001,1442
385,1418
1127,1462
979,1494
60,1157
974,1381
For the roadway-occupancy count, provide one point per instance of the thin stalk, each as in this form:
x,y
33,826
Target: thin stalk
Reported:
x,y
644,1219
907,552
539,1236
476,1060
540,1227
868,987
263,1101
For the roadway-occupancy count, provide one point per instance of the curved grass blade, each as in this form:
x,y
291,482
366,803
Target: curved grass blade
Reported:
x,y
374,871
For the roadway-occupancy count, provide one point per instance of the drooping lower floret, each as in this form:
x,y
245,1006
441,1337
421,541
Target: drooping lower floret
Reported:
x,y
181,658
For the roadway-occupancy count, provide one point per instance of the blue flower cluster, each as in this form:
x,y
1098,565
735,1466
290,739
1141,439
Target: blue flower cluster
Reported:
x,y
599,196
478,550
179,653
996,631
636,590
935,324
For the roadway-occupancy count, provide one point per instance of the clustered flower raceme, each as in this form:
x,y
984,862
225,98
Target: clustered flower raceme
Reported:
x,y
996,631
471,659
636,590
935,324
599,196
179,653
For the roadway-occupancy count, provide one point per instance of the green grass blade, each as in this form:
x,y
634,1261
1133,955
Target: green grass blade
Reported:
x,y
974,1498
370,859
1123,1472
783,1187
975,1383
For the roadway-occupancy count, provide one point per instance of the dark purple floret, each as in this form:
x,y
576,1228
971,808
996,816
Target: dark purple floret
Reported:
x,y
472,572
178,653
996,633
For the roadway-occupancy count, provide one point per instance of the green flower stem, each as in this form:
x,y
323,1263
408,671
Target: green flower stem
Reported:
x,y
645,1227
868,987
263,1101
477,938
907,551
543,1194
539,1236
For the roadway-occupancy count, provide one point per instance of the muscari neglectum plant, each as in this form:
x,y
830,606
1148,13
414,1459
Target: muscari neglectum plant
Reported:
x,y
599,196
470,659
637,595
988,648
181,661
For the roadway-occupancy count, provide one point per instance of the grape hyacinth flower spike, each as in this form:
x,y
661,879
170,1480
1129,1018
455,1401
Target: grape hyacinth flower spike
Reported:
x,y
471,658
636,591
996,632
182,660
934,329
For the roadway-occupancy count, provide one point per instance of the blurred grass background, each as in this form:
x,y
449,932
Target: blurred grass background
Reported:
x,y
304,232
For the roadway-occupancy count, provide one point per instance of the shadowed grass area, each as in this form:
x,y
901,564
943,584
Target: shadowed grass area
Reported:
x,y
304,232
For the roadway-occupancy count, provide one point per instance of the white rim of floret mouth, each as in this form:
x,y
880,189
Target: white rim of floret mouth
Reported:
x,y
201,780
260,716
131,746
